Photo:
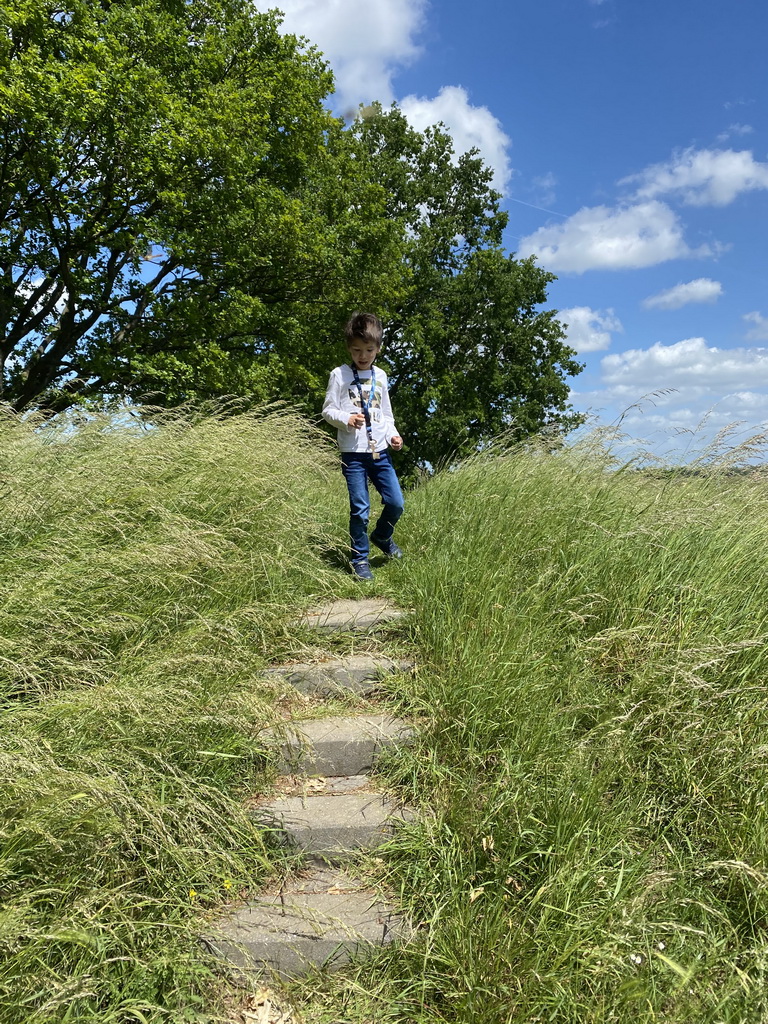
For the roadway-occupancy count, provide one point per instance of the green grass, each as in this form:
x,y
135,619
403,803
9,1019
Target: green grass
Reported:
x,y
147,577
594,682
593,693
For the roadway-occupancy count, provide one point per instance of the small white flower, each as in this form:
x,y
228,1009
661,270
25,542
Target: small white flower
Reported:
x,y
662,945
635,958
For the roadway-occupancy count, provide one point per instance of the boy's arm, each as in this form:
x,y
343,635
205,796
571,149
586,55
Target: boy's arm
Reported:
x,y
390,430
332,412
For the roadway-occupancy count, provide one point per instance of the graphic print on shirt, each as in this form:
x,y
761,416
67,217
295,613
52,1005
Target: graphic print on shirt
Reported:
x,y
375,407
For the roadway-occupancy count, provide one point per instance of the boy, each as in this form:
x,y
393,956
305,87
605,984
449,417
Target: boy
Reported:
x,y
357,403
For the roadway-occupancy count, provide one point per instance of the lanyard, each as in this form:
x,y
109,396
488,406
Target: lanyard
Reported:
x,y
367,405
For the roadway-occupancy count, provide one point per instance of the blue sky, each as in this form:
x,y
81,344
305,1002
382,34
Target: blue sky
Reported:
x,y
630,141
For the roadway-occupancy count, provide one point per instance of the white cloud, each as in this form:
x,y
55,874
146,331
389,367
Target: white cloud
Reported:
x,y
471,127
703,289
589,330
611,238
670,410
704,177
685,433
760,331
675,400
749,402
735,129
691,365
545,184
682,427
365,43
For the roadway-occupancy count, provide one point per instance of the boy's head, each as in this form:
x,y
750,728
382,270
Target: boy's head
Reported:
x,y
363,332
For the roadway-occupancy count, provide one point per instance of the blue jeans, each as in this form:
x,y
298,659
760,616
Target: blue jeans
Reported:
x,y
358,468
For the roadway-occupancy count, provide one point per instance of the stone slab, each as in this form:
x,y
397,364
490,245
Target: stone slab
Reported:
x,y
333,827
351,616
340,745
319,922
345,784
317,785
358,673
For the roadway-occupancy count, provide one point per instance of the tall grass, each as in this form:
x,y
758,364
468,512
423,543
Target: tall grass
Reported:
x,y
147,575
593,769
592,690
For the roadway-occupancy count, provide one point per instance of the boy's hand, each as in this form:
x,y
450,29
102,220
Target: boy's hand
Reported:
x,y
357,420
396,442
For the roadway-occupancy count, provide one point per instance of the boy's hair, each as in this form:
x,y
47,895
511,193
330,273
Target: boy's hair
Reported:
x,y
365,327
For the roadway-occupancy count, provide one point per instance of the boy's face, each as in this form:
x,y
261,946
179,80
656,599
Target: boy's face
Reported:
x,y
363,353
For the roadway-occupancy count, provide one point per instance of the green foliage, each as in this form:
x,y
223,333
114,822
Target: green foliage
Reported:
x,y
470,353
174,200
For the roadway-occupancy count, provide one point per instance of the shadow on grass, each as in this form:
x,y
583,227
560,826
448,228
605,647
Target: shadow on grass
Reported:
x,y
337,557
331,554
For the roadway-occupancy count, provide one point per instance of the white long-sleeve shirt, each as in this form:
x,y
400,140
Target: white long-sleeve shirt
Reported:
x,y
342,400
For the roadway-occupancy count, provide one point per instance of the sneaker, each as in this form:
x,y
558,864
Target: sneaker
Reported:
x,y
390,549
362,570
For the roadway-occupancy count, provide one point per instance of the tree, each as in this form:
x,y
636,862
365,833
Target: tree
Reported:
x,y
174,200
470,353
181,217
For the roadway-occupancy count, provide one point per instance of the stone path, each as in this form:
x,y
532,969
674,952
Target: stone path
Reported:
x,y
359,673
351,616
326,914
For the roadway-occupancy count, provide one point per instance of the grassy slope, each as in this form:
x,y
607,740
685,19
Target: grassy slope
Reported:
x,y
594,682
592,688
146,579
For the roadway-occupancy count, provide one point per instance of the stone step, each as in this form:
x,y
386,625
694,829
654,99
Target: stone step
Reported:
x,y
316,921
319,786
342,745
331,828
358,673
351,616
